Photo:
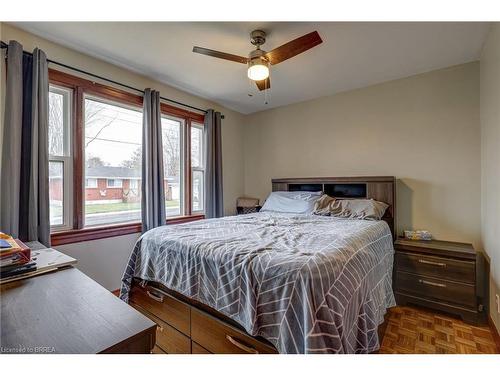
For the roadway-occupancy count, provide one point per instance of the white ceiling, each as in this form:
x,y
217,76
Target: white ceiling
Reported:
x,y
352,55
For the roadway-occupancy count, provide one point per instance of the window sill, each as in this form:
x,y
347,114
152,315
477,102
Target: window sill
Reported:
x,y
96,233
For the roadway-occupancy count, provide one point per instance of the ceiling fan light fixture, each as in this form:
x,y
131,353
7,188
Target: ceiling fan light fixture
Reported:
x,y
258,69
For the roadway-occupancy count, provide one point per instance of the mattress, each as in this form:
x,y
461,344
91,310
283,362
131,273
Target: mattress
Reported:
x,y
307,284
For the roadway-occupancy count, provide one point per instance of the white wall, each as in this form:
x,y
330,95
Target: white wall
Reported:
x,y
490,160
423,129
104,260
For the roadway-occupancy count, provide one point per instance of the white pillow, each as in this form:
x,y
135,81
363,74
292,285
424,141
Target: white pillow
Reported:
x,y
297,202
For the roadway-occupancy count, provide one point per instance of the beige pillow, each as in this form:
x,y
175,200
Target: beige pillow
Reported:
x,y
367,209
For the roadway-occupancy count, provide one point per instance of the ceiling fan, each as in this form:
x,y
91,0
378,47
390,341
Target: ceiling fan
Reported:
x,y
259,60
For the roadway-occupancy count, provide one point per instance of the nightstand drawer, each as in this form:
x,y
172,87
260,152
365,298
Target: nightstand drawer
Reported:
x,y
440,267
437,289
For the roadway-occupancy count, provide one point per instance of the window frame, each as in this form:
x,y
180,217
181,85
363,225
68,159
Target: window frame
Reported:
x,y
136,184
189,118
108,186
93,179
80,88
201,168
182,179
66,158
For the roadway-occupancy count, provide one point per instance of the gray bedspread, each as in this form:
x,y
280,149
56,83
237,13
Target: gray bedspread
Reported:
x,y
308,284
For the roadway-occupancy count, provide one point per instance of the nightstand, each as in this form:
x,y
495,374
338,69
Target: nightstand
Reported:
x,y
442,275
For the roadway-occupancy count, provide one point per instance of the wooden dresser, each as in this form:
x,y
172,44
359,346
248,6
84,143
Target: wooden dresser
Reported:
x,y
67,312
441,275
184,328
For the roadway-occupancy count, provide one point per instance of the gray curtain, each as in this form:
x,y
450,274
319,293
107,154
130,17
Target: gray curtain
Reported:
x,y
25,170
213,186
153,194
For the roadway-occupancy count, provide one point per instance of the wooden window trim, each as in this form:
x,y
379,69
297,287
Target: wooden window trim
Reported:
x,y
188,118
111,230
82,87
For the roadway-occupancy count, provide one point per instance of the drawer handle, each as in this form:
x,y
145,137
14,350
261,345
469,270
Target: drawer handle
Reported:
x,y
432,263
154,296
240,345
431,283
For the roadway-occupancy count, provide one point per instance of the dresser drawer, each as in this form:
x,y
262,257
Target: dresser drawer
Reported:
x,y
168,339
198,349
437,289
168,309
157,350
220,338
171,340
443,268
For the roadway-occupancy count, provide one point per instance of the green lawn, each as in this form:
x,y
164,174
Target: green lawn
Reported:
x,y
119,207
110,207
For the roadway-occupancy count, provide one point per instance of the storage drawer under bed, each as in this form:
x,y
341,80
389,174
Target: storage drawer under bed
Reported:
x,y
182,328
158,303
221,338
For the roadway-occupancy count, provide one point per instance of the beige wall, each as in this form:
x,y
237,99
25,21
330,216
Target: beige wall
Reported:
x,y
423,129
490,160
93,255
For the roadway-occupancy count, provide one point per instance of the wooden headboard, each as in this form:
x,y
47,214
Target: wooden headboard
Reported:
x,y
382,189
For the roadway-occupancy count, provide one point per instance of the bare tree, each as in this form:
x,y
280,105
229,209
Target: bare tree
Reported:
x,y
93,115
171,153
94,161
135,160
56,124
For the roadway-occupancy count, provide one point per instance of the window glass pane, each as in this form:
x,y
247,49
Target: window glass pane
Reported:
x,y
172,163
115,183
198,167
196,146
113,153
198,190
59,118
56,192
91,183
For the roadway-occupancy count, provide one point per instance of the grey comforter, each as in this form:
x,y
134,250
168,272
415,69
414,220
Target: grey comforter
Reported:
x,y
308,284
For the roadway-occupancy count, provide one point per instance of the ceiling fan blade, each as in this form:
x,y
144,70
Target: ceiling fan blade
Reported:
x,y
220,55
293,48
264,84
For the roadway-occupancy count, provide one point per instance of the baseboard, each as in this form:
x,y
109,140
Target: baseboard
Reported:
x,y
116,292
494,332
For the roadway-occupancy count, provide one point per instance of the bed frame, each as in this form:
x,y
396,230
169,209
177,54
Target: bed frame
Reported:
x,y
187,326
381,189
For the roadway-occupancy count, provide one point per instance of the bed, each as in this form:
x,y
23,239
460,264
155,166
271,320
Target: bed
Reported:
x,y
270,282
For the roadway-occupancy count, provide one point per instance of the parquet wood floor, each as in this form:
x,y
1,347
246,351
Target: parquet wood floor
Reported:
x,y
415,331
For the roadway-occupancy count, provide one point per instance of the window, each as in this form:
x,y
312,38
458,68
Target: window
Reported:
x,y
113,149
95,140
60,158
91,183
197,167
173,163
114,183
134,185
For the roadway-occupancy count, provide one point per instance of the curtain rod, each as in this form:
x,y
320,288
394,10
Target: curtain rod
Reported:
x,y
5,45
